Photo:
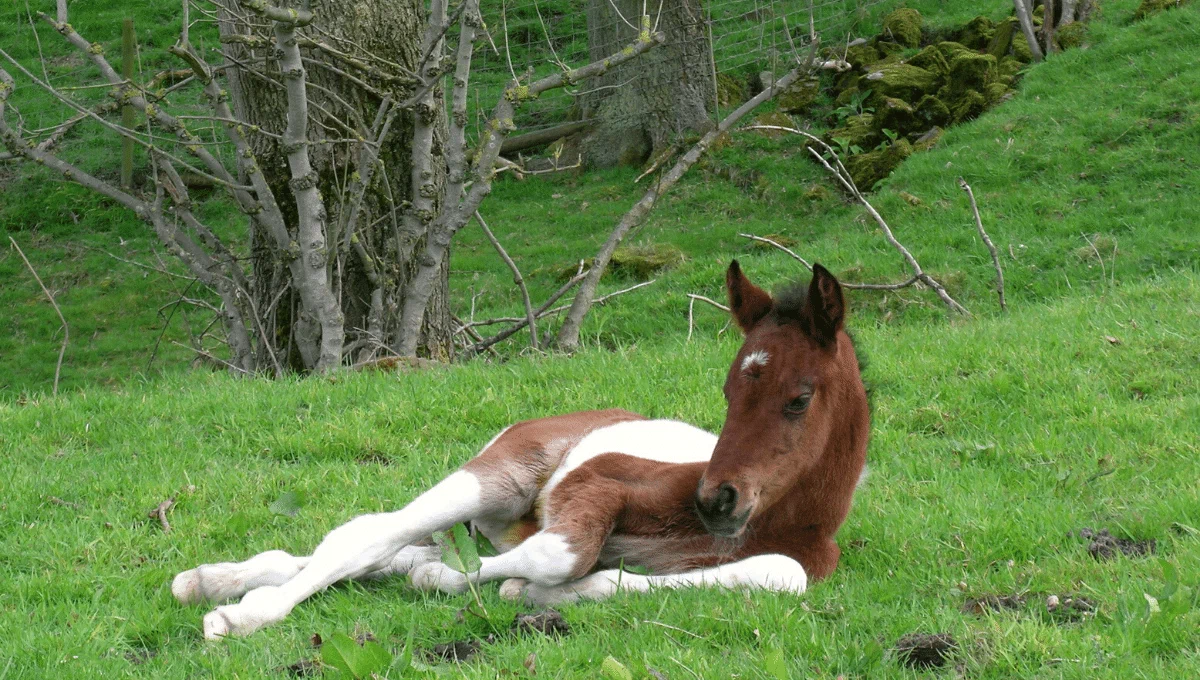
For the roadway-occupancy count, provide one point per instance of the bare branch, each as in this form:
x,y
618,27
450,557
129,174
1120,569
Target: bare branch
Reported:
x,y
517,279
988,241
50,296
1026,21
780,246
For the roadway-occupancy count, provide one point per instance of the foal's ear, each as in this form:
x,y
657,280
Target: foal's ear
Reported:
x,y
748,303
826,308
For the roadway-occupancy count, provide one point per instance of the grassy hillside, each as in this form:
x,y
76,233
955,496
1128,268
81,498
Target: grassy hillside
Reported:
x,y
993,437
991,442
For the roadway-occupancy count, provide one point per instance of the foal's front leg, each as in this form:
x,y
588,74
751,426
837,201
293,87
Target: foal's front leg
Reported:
x,y
361,547
778,573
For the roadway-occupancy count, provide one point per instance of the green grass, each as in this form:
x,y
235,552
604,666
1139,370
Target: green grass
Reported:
x,y
992,437
990,441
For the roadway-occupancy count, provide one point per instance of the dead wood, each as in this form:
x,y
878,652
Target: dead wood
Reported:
x,y
160,513
517,279
531,140
987,241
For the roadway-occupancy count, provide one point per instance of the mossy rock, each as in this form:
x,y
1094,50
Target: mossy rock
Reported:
x,y
776,119
904,27
1002,37
636,262
951,49
903,81
1020,49
1149,7
857,131
861,56
815,192
887,49
731,91
978,33
931,111
928,140
931,59
1009,66
971,71
1071,35
896,115
846,96
868,168
967,106
996,93
799,97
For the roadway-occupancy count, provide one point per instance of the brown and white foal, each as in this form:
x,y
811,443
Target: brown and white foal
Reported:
x,y
567,498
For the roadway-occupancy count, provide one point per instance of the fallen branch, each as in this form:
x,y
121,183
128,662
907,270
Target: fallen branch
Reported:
x,y
50,296
988,241
530,140
842,175
160,513
517,279
780,246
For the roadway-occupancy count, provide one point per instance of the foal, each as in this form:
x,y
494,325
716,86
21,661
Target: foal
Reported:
x,y
568,498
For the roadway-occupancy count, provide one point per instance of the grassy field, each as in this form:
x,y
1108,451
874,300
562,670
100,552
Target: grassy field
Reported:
x,y
993,437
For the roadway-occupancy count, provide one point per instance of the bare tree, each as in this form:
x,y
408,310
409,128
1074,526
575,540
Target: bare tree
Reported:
x,y
350,164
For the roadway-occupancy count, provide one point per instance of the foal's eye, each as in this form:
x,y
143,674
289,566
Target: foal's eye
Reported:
x,y
798,405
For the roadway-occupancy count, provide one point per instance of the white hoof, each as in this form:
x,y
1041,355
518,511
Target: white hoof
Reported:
x,y
228,580
259,608
438,576
513,589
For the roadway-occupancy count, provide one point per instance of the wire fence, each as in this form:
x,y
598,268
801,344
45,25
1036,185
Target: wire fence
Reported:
x,y
737,40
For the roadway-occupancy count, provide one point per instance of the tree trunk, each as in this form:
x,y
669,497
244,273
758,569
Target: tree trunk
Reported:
x,y
638,109
339,110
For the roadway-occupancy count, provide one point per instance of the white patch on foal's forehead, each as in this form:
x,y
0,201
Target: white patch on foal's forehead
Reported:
x,y
753,359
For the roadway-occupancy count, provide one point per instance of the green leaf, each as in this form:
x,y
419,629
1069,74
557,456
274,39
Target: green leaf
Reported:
x,y
338,651
775,664
288,504
614,670
458,550
1171,576
374,658
483,546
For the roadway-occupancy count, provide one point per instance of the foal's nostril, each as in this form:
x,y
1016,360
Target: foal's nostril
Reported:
x,y
725,501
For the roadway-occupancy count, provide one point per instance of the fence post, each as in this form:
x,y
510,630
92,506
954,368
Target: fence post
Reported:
x,y
128,47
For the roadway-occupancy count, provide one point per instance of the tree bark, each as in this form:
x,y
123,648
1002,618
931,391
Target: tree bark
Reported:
x,y
640,108
376,265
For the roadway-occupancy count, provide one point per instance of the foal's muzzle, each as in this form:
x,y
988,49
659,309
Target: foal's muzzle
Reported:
x,y
716,511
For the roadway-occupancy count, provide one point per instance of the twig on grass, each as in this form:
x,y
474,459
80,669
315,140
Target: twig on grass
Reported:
x,y
987,241
50,296
160,513
780,246
692,297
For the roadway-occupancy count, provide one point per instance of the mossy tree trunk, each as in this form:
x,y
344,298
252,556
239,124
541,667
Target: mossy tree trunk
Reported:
x,y
638,109
340,108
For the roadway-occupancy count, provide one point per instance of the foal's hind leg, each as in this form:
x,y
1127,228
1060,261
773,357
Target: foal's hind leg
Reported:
x,y
358,548
228,580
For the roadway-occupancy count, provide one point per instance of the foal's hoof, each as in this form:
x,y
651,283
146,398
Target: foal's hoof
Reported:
x,y
186,587
216,625
513,589
438,576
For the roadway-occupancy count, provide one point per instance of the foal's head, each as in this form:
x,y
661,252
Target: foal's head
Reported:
x,y
794,394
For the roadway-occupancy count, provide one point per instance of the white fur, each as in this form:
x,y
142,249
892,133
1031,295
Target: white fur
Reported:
x,y
362,546
668,441
544,558
757,358
777,573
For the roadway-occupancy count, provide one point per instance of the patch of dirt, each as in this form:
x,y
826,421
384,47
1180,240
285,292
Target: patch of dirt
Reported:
x,y
1105,546
925,651
546,622
459,651
139,656
992,603
304,668
1069,608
